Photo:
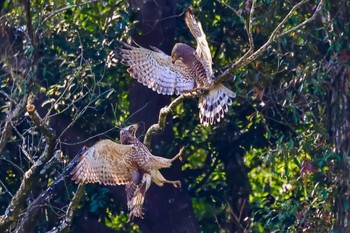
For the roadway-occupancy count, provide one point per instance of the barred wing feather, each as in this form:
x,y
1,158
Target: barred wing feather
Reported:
x,y
154,69
106,162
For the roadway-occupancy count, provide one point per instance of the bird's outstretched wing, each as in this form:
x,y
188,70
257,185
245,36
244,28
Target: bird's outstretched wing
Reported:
x,y
106,162
155,69
203,51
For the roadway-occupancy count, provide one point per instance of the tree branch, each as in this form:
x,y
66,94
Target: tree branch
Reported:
x,y
28,15
66,222
245,60
18,201
11,115
238,13
250,32
33,210
158,127
67,8
306,21
48,132
12,51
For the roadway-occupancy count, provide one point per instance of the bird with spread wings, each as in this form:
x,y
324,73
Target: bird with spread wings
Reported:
x,y
187,70
129,163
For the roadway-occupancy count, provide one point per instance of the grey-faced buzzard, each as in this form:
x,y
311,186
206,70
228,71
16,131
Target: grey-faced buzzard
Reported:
x,y
186,70
129,163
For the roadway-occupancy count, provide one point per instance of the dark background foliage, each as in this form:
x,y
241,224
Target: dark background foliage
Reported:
x,y
277,162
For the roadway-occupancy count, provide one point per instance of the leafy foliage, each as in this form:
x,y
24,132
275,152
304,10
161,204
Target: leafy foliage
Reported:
x,y
275,162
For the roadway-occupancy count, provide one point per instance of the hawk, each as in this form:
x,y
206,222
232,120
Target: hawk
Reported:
x,y
129,163
187,70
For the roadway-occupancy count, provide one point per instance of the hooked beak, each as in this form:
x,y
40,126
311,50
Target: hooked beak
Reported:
x,y
133,128
173,58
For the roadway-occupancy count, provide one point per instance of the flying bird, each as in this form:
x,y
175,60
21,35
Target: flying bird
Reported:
x,y
187,70
129,163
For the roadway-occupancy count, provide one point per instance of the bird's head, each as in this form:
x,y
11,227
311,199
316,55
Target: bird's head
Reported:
x,y
127,134
174,55
182,52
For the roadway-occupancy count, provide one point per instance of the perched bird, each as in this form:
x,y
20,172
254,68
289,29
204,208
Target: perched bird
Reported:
x,y
129,163
187,70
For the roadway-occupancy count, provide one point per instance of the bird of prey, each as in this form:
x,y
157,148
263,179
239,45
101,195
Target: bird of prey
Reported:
x,y
187,70
129,163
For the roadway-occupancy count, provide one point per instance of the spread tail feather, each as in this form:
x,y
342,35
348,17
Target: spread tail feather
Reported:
x,y
212,106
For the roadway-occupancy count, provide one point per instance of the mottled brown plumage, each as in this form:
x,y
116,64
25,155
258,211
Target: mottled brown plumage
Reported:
x,y
187,69
190,59
129,163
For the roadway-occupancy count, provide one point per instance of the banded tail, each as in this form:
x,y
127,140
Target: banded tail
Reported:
x,y
212,106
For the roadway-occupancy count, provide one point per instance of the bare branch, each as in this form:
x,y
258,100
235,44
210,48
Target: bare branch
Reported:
x,y
158,127
11,116
67,8
40,123
89,138
250,32
238,13
6,189
306,21
81,112
243,61
247,58
18,201
66,222
24,151
8,97
33,210
27,8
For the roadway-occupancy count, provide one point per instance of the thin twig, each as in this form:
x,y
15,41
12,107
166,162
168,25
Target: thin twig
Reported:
x,y
250,32
31,214
23,144
79,114
236,218
8,96
317,11
216,219
66,222
18,201
243,61
88,139
11,115
48,132
66,8
238,14
6,189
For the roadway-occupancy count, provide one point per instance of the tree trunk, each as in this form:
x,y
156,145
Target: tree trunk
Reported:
x,y
339,108
340,128
166,209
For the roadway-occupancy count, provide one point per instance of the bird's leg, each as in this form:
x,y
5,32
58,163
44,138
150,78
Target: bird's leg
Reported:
x,y
157,162
179,155
176,183
159,179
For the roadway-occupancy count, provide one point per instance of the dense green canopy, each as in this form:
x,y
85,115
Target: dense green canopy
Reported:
x,y
278,162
